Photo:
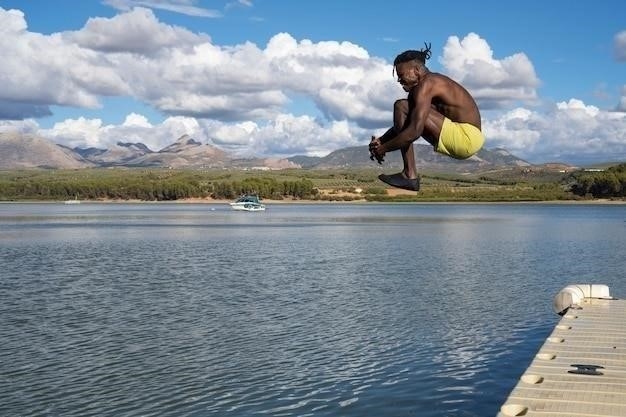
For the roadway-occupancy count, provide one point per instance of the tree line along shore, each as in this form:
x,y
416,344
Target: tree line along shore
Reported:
x,y
298,184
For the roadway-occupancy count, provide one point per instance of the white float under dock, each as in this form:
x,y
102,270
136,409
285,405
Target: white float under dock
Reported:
x,y
581,368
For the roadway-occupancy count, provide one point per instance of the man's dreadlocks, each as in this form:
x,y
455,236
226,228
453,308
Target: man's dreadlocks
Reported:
x,y
411,55
422,55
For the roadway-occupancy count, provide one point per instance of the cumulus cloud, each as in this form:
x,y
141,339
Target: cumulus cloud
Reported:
x,y
494,83
86,133
138,120
79,132
137,31
12,22
619,46
240,97
181,73
570,131
39,71
28,126
286,135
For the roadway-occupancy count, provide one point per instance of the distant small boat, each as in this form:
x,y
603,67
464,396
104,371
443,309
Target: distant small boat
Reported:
x,y
248,202
74,201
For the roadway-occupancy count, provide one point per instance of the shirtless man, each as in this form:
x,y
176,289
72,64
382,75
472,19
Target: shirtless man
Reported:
x,y
437,108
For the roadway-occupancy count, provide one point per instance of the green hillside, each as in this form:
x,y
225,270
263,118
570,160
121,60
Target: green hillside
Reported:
x,y
511,184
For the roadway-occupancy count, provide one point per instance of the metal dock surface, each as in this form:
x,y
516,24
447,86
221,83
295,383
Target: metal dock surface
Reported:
x,y
581,368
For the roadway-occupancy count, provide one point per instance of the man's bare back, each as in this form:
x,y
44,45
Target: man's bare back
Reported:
x,y
452,100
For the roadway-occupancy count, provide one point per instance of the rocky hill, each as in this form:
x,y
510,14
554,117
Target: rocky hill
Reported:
x,y
24,151
120,154
425,158
19,151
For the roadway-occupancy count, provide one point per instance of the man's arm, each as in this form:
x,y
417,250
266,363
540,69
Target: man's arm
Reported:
x,y
375,142
419,106
388,135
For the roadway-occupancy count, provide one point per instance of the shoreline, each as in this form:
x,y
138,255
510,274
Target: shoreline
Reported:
x,y
326,202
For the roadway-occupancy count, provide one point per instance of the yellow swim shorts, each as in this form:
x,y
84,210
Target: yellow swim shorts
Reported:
x,y
459,140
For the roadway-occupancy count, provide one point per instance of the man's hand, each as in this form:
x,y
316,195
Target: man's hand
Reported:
x,y
375,150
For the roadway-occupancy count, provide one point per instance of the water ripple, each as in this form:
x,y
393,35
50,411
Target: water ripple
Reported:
x,y
390,312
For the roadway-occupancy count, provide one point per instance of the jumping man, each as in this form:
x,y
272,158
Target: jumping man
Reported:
x,y
437,108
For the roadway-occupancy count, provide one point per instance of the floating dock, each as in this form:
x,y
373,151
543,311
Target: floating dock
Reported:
x,y
580,370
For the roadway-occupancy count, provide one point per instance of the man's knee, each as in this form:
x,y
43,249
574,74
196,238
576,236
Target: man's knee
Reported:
x,y
400,114
401,105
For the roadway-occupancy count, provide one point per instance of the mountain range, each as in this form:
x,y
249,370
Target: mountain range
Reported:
x,y
28,151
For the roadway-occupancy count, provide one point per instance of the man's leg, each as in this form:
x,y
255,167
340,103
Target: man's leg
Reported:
x,y
407,179
431,133
400,115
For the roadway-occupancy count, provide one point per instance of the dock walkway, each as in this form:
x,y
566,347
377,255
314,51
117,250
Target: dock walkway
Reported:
x,y
581,368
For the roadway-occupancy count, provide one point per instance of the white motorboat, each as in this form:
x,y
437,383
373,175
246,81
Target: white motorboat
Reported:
x,y
74,201
248,202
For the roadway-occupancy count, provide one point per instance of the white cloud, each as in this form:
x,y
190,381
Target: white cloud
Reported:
x,y
577,107
513,130
291,135
84,133
137,31
79,132
233,136
12,22
39,71
178,6
620,46
238,3
181,73
286,135
138,120
28,126
239,97
571,131
494,83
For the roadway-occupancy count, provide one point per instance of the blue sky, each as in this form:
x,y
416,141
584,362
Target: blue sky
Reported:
x,y
279,78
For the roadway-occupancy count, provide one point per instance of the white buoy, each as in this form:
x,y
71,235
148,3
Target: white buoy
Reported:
x,y
573,295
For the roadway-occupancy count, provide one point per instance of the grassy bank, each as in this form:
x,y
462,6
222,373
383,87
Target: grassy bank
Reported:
x,y
312,185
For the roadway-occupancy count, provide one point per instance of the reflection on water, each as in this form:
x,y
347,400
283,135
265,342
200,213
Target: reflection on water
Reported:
x,y
325,310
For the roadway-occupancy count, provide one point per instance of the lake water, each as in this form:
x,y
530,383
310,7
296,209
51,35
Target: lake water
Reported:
x,y
301,310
